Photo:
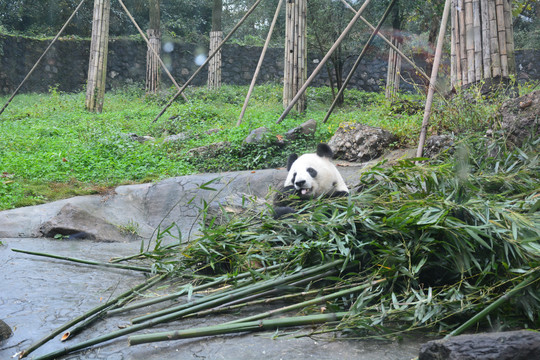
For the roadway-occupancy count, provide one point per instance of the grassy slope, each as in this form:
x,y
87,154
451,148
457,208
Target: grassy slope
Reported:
x,y
51,147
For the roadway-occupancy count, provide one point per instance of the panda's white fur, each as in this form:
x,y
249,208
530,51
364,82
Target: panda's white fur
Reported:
x,y
310,176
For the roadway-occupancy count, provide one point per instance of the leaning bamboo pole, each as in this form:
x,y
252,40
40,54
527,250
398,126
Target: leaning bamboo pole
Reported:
x,y
259,64
322,62
41,57
150,47
434,72
357,62
210,56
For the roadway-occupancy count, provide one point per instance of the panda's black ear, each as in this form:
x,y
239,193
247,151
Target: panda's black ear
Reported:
x,y
292,158
323,150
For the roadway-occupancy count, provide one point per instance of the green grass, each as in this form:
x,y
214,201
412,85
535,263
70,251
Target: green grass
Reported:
x,y
52,148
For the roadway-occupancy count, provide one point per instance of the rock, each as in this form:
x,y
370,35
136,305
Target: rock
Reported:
x,y
511,345
176,137
141,139
359,142
436,144
306,129
208,149
5,331
519,118
76,223
257,135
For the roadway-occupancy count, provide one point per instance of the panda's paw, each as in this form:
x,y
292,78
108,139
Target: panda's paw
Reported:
x,y
280,211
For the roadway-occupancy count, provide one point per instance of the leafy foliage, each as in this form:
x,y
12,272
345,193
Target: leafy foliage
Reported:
x,y
450,236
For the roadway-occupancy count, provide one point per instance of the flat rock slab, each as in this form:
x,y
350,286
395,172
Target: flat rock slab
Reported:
x,y
39,294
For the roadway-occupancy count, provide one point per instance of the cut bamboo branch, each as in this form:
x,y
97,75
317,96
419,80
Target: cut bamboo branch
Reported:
x,y
239,327
220,281
210,56
150,47
78,319
194,306
41,57
357,62
317,300
434,72
259,64
495,305
322,62
83,261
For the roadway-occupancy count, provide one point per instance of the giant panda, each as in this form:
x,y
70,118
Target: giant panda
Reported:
x,y
309,176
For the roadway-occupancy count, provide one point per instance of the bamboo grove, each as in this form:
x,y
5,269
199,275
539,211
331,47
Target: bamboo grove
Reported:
x,y
435,246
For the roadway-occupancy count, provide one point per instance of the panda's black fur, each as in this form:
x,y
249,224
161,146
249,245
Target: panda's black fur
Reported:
x,y
309,176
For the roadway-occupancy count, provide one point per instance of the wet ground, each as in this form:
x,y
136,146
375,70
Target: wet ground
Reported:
x,y
37,295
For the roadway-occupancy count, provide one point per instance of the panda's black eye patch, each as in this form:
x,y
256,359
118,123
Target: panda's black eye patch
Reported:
x,y
312,172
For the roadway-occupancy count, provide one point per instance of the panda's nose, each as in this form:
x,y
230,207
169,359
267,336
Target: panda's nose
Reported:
x,y
300,183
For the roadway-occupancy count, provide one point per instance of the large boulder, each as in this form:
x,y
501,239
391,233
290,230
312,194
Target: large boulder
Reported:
x,y
306,129
520,118
436,144
359,142
511,345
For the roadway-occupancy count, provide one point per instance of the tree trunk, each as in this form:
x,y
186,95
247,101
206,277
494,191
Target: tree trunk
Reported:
x,y
295,64
216,37
153,68
97,68
482,41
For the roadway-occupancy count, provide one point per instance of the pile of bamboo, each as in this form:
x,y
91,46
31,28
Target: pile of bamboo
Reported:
x,y
295,66
482,41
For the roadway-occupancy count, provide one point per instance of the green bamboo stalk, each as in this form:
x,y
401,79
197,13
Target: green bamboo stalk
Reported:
x,y
219,281
81,318
318,300
88,262
234,306
104,312
159,320
497,303
198,305
238,327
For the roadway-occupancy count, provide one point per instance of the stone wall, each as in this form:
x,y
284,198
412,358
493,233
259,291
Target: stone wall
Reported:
x,y
66,65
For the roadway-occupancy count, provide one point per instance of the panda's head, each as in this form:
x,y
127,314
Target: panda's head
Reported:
x,y
313,175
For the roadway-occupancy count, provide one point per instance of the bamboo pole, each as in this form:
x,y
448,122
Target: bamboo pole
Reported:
x,y
83,261
259,64
357,62
214,67
434,72
78,319
509,29
210,56
501,30
322,62
493,39
469,41
239,327
41,57
477,41
486,48
163,66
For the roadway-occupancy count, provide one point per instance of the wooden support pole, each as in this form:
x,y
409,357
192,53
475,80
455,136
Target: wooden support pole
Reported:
x,y
434,72
41,58
163,66
323,61
259,64
97,68
357,62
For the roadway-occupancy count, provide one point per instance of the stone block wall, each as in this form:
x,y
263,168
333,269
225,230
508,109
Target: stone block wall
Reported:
x,y
66,65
